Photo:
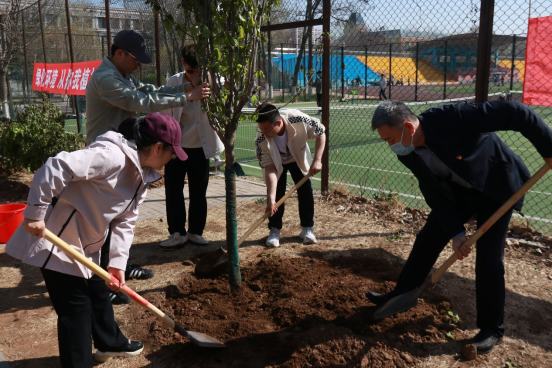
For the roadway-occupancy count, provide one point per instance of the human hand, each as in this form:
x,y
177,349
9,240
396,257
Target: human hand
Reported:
x,y
316,167
460,251
270,208
201,92
119,275
35,227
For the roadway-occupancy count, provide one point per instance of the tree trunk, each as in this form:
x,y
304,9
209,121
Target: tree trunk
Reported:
x,y
231,222
4,93
309,35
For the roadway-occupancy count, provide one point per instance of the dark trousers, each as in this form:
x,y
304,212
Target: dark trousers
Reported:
x,y
489,269
84,312
382,93
319,99
197,168
306,199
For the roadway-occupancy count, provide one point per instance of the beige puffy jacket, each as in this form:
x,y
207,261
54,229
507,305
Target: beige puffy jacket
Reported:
x,y
300,127
96,188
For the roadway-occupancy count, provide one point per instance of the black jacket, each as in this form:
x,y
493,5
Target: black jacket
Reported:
x,y
462,137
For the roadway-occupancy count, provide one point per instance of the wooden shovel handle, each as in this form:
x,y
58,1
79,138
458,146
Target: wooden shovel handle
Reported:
x,y
72,252
278,204
491,220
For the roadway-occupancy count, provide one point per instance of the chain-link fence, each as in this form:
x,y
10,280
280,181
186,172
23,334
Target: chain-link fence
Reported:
x,y
424,53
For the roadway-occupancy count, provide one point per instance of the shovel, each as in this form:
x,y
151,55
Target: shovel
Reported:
x,y
409,300
197,338
217,261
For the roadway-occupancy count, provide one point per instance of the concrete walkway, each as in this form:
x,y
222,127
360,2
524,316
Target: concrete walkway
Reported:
x,y
154,205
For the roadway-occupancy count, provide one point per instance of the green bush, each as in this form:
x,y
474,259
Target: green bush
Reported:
x,y
152,79
36,135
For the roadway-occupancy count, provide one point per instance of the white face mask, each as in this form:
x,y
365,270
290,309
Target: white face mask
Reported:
x,y
400,149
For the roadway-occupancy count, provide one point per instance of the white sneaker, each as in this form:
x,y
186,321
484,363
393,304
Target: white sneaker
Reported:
x,y
273,239
175,241
307,235
197,239
219,163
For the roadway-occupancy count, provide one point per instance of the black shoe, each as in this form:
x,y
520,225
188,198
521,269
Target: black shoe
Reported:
x,y
485,341
131,349
136,272
118,298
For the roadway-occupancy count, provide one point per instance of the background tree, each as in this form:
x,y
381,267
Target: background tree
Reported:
x,y
10,44
228,33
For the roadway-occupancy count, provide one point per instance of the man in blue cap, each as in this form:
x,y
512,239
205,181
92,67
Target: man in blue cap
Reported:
x,y
113,95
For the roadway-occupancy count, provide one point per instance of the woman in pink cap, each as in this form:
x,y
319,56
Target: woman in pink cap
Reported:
x,y
87,198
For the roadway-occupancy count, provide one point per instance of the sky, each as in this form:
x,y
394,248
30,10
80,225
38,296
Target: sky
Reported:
x,y
444,17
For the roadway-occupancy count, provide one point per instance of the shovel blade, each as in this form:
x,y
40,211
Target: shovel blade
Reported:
x,y
199,338
204,340
398,304
211,263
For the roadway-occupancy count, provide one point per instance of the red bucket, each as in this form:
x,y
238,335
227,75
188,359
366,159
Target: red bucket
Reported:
x,y
11,215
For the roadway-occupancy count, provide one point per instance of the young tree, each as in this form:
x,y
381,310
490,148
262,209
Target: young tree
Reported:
x,y
10,43
229,34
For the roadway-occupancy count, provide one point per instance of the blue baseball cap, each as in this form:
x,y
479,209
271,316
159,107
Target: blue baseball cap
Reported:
x,y
134,44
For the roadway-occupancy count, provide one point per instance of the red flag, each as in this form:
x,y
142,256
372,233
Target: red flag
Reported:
x,y
537,87
65,79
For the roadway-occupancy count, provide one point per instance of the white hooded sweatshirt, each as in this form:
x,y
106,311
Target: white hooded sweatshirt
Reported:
x,y
96,188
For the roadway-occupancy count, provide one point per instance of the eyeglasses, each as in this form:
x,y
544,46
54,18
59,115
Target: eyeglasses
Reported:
x,y
266,133
135,59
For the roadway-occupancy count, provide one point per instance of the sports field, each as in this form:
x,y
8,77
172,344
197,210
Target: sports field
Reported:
x,y
364,163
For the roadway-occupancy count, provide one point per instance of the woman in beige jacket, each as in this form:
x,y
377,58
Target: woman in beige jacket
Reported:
x,y
89,197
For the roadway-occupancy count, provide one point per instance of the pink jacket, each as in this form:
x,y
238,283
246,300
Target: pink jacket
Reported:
x,y
97,188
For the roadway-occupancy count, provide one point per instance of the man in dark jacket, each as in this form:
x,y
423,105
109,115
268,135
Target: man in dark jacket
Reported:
x,y
464,170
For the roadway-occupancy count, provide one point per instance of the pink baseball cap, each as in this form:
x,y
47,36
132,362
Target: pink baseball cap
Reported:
x,y
165,128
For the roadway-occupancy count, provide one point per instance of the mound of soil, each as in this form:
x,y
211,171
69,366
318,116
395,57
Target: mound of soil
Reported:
x,y
294,312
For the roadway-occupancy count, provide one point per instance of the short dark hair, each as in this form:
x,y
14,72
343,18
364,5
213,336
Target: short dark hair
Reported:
x,y
114,49
189,55
254,91
268,113
392,113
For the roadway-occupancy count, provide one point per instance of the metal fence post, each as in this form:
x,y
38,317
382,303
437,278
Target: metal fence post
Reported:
x,y
366,72
108,27
269,66
42,31
27,92
445,73
484,51
157,51
390,75
304,80
417,59
75,105
283,75
512,67
326,12
342,73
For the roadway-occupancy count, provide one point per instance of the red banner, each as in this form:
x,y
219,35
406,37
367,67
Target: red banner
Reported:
x,y
537,87
64,79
